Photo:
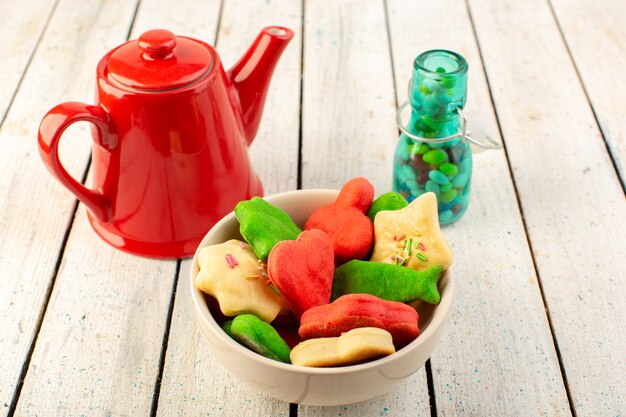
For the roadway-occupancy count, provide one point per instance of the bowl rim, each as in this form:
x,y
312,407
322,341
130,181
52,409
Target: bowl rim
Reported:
x,y
203,314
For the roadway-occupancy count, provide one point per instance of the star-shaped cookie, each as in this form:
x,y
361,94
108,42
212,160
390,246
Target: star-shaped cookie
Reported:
x,y
232,273
411,236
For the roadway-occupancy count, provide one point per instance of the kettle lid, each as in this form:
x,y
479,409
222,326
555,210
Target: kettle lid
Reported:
x,y
159,60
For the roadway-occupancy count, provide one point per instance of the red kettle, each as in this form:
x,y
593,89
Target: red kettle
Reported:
x,y
170,134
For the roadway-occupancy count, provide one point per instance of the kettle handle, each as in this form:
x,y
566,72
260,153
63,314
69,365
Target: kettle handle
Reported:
x,y
52,127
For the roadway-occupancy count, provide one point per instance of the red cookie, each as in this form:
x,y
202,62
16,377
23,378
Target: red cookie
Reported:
x,y
345,221
361,310
302,270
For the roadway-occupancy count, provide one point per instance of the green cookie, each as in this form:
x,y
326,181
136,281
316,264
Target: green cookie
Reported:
x,y
262,225
258,336
387,281
387,201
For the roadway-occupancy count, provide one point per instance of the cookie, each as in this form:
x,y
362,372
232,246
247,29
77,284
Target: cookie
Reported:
x,y
355,346
387,201
258,336
411,236
361,310
302,270
264,225
231,273
344,220
387,281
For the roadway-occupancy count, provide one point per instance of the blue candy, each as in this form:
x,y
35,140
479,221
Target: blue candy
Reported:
x,y
438,177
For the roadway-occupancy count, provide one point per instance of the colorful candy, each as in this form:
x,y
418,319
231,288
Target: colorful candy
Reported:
x,y
258,336
388,281
231,273
345,221
360,310
437,92
399,232
302,270
263,225
387,201
355,346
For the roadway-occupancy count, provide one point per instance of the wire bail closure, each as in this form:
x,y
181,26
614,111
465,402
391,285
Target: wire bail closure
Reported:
x,y
463,133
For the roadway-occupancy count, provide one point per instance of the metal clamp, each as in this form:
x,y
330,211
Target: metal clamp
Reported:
x,y
462,133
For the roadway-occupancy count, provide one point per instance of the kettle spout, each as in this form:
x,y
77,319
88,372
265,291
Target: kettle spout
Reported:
x,y
250,76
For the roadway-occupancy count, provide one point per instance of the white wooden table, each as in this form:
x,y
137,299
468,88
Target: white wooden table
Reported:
x,y
538,327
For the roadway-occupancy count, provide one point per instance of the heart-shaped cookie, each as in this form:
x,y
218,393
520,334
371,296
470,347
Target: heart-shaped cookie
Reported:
x,y
344,220
302,270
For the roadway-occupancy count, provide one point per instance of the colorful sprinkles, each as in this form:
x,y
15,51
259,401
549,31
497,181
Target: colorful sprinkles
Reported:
x,y
407,250
232,262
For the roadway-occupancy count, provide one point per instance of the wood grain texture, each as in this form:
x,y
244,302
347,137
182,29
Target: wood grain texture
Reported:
x,y
20,32
99,347
497,354
571,198
34,209
194,383
348,130
348,107
596,35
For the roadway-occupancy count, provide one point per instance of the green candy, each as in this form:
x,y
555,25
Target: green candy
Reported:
x,y
419,149
445,188
434,157
387,201
262,225
258,336
423,148
387,281
449,169
448,196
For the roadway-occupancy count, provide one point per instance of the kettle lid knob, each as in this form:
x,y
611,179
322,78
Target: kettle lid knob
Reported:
x,y
157,44
159,61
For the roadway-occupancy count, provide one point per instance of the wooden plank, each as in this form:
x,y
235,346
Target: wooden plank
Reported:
x,y
596,36
348,130
348,108
571,198
485,344
193,380
20,32
99,347
34,209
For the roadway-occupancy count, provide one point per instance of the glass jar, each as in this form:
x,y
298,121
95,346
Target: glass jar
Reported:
x,y
432,153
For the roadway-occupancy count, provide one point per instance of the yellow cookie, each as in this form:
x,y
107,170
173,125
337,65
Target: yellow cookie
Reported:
x,y
232,273
354,346
411,236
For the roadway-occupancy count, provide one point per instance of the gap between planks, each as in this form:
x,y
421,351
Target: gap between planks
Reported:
x,y
44,309
299,162
521,210
166,337
612,157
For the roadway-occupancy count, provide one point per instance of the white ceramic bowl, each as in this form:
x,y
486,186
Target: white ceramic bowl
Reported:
x,y
305,385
